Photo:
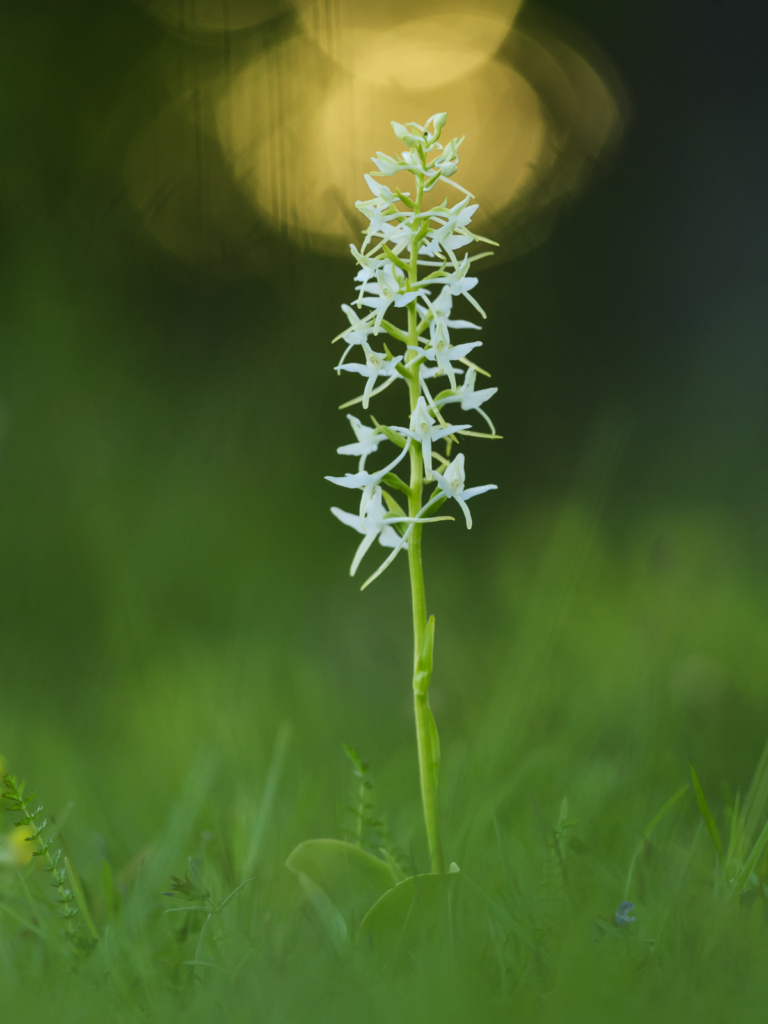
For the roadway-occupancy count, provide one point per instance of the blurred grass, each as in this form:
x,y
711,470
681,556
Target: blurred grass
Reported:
x,y
157,632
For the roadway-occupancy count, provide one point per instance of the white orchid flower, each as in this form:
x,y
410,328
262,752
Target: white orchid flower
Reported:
x,y
459,283
469,399
439,312
360,328
380,190
378,213
423,429
368,267
403,235
368,441
395,235
368,481
442,352
420,517
387,165
374,526
400,237
448,162
427,372
451,484
389,289
377,364
457,220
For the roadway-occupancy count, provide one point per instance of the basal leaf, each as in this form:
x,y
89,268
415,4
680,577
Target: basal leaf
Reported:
x,y
352,878
417,908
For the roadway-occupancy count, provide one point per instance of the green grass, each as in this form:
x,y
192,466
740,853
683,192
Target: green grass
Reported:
x,y
570,696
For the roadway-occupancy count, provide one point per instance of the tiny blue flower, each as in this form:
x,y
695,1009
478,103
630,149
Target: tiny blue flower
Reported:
x,y
623,914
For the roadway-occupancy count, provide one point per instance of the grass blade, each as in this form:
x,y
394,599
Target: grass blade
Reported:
x,y
706,814
752,860
276,764
655,820
77,889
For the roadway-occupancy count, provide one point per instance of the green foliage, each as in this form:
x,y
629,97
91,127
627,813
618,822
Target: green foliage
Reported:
x,y
418,911
352,878
738,864
15,800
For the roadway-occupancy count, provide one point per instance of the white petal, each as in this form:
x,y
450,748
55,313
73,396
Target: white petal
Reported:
x,y
347,518
365,543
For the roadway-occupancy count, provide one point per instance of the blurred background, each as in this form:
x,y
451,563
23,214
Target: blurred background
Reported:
x,y
177,182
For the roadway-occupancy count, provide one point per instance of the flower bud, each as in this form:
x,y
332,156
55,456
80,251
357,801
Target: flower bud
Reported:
x,y
404,135
387,165
438,121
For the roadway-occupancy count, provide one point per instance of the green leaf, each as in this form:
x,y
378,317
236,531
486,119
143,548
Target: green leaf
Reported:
x,y
706,814
433,746
393,506
326,912
393,480
388,432
424,662
397,871
416,910
352,878
752,860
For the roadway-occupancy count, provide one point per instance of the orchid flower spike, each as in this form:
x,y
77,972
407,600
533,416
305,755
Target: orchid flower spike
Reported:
x,y
415,308
403,236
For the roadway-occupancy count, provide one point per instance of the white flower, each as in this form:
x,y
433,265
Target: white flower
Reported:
x,y
459,283
458,217
448,162
439,312
442,352
358,331
404,135
377,364
374,526
402,235
380,191
378,213
420,517
439,348
368,441
469,399
451,484
386,291
387,165
367,481
427,372
423,430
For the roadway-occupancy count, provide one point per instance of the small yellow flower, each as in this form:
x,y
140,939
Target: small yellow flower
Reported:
x,y
15,850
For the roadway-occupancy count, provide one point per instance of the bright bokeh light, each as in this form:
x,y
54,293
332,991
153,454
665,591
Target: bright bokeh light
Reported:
x,y
305,170
405,45
282,135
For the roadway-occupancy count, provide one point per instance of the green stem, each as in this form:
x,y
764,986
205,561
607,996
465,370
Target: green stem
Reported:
x,y
426,732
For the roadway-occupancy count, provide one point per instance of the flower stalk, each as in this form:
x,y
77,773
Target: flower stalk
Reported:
x,y
402,238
